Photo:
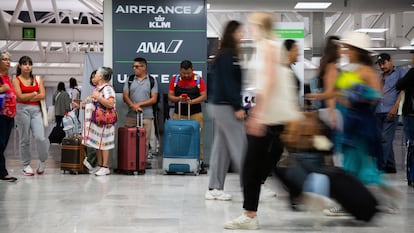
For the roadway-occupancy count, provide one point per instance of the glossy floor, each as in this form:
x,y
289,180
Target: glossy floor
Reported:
x,y
65,203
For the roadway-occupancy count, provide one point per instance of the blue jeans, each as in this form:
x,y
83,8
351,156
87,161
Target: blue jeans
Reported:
x,y
6,125
386,129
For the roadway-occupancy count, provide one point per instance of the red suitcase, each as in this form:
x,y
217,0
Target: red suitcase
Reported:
x,y
132,151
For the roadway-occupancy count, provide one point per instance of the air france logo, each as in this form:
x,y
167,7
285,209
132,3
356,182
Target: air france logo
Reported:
x,y
159,23
159,47
150,9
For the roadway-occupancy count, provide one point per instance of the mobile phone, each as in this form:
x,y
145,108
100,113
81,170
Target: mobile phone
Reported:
x,y
185,96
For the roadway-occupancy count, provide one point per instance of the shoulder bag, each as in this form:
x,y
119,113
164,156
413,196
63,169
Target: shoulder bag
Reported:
x,y
43,108
102,115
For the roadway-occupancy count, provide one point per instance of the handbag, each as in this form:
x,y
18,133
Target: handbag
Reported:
x,y
43,108
2,97
102,115
301,136
51,113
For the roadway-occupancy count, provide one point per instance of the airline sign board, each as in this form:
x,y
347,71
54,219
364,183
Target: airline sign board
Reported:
x,y
164,32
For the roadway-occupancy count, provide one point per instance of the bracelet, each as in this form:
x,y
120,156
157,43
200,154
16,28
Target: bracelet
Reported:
x,y
35,93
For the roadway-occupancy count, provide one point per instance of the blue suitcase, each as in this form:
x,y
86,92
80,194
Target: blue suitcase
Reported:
x,y
181,148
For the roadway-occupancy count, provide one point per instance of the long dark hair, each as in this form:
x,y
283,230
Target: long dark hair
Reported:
x,y
330,54
24,60
72,82
228,43
289,44
61,86
364,56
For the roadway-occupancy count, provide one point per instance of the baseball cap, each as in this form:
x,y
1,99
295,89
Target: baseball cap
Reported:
x,y
382,58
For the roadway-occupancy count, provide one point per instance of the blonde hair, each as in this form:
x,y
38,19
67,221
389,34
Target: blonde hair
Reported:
x,y
264,22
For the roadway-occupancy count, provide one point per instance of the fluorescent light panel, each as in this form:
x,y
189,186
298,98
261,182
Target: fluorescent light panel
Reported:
x,y
407,48
312,5
372,30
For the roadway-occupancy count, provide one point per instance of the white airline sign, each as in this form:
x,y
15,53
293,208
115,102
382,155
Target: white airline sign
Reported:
x,y
142,9
159,47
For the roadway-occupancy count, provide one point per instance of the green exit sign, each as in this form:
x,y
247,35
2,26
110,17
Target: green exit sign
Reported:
x,y
29,33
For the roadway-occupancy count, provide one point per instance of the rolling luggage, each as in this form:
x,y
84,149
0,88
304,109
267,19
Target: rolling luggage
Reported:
x,y
73,154
132,149
294,169
353,196
181,145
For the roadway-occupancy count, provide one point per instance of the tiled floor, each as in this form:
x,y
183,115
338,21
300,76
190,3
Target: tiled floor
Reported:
x,y
63,203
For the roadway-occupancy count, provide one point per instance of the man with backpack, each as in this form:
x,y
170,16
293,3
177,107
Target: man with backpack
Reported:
x,y
140,94
190,88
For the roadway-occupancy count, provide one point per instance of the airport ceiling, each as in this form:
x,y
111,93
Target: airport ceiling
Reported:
x,y
74,27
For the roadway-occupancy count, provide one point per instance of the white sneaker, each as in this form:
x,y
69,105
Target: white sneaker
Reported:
x,y
265,192
94,170
242,222
335,211
216,194
28,171
87,164
41,168
103,171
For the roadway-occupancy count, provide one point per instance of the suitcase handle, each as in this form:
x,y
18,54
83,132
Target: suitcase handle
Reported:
x,y
179,110
140,119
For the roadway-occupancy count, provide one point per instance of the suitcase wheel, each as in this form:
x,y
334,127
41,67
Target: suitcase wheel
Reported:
x,y
141,172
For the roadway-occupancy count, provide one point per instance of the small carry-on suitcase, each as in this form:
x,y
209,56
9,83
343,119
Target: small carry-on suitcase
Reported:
x,y
353,196
181,145
73,154
132,149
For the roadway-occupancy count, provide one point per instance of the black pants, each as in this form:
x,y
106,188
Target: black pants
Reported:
x,y
6,125
263,153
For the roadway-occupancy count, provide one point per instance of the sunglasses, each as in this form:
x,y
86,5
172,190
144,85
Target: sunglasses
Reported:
x,y
137,66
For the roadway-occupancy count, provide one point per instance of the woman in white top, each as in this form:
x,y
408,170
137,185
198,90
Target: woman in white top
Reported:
x,y
276,103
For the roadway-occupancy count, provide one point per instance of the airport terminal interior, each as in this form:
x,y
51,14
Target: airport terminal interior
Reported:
x,y
155,202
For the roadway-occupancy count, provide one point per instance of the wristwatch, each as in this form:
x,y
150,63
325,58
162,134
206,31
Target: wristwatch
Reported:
x,y
35,92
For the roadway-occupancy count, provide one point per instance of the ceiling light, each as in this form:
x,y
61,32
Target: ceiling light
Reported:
x,y
372,30
407,48
312,5
377,39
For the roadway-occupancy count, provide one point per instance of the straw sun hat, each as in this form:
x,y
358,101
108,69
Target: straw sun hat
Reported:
x,y
358,40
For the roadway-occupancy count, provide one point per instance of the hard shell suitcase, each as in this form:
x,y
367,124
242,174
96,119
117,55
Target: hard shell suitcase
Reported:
x,y
73,154
132,148
181,149
348,191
